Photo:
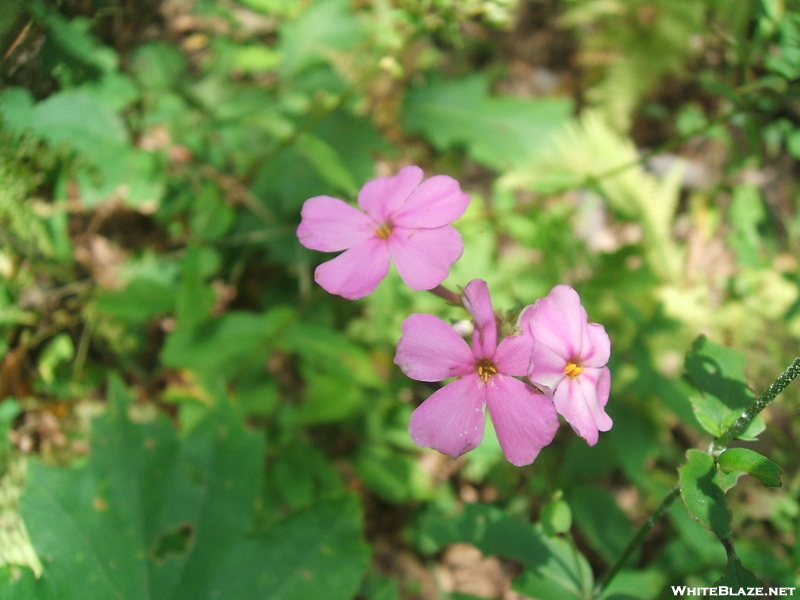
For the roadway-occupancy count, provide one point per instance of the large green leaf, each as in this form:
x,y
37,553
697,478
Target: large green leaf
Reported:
x,y
151,516
718,373
497,131
147,516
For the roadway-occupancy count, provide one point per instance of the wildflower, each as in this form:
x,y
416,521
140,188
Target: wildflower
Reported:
x,y
452,419
403,220
568,361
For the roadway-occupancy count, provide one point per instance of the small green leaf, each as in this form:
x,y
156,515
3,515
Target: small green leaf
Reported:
x,y
718,373
327,162
752,463
704,498
255,58
556,517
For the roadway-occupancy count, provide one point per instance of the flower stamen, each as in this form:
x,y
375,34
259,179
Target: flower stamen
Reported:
x,y
572,369
486,369
384,231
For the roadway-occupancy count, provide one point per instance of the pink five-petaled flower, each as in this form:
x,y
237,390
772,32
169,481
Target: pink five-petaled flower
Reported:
x,y
401,220
451,420
568,361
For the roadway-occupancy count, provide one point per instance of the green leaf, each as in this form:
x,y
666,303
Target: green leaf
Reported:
x,y
79,119
70,44
752,463
737,576
392,475
556,517
255,58
554,569
300,476
718,373
644,584
158,66
332,352
496,131
702,494
228,344
16,109
377,587
150,516
147,517
15,544
319,553
600,520
323,27
327,162
140,300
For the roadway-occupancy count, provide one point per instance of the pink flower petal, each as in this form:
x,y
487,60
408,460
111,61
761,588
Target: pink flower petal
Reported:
x,y
525,421
330,225
479,304
380,197
546,368
356,272
576,399
513,355
452,419
430,350
437,202
423,257
558,320
598,349
603,391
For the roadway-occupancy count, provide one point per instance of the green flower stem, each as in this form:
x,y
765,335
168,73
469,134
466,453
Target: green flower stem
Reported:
x,y
636,541
775,388
447,295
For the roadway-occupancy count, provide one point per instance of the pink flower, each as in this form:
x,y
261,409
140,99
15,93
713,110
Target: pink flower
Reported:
x,y
568,361
451,420
401,220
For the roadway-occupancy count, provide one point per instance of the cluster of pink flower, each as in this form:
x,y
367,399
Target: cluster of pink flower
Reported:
x,y
407,221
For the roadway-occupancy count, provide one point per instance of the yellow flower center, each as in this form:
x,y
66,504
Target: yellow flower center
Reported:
x,y
486,369
572,369
384,231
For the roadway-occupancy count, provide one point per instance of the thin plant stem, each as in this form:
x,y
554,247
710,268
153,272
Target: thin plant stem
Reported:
x,y
759,404
447,295
637,540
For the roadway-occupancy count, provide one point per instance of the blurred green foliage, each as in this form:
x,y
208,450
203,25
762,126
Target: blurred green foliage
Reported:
x,y
253,439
